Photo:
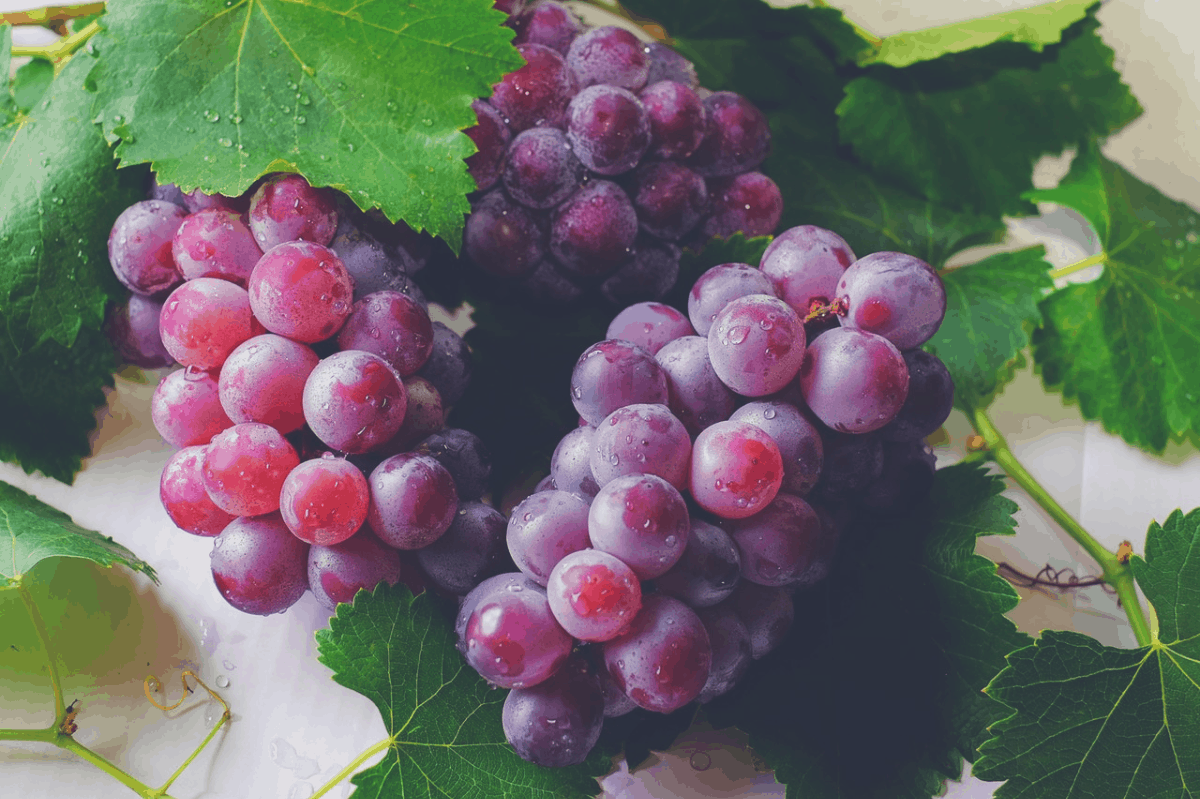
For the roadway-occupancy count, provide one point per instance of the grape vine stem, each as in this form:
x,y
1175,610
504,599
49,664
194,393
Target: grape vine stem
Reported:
x,y
51,14
352,767
1116,573
62,49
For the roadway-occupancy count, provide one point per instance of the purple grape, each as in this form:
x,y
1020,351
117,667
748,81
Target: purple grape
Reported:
x,y
545,484
336,572
929,402
548,286
695,395
649,325
609,128
737,137
167,192
536,94
288,208
464,455
181,489
592,233
558,721
259,566
677,119
778,544
424,416
719,286
854,381
643,520
613,374
543,529
197,200
805,264
825,549
301,290
510,636
610,56
616,703
593,595
449,364
749,203
371,265
503,238
732,650
641,439
186,408
851,463
670,199
491,137
392,326
736,469
799,442
893,295
767,613
139,246
756,345
905,479
263,381
413,501
245,467
666,64
649,275
547,23
132,328
571,464
472,549
204,320
664,660
354,401
708,571
541,170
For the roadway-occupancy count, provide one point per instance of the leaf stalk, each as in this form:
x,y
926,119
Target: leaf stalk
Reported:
x,y
62,49
60,710
366,755
1079,266
51,15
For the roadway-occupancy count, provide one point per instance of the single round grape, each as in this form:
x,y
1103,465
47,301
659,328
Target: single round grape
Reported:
x,y
473,548
663,661
186,408
737,137
756,345
736,469
503,238
767,613
464,455
424,415
929,402
540,169
215,243
669,198
549,286
666,64
132,329
798,440
643,520
167,192
732,651
677,119
571,464
287,208
905,479
413,501
204,320
894,295
301,290
749,203
649,275
259,566
613,374
324,501
708,571
851,462
616,703
592,233
510,636
593,595
354,401
777,544
805,264
139,246
558,721
491,137
197,200
537,93
641,439
854,381
608,55
545,484
181,489
449,364
372,265
720,286
245,466
695,394
544,528
263,381
650,325
336,572
392,326
547,23
609,128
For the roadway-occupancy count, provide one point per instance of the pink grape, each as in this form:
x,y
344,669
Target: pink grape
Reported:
x,y
204,320
778,544
663,661
391,325
677,119
186,408
650,325
608,55
593,595
641,439
510,636
543,529
245,466
736,469
537,93
354,401
324,501
413,501
217,243
613,374
181,489
301,290
695,395
491,136
132,328
756,345
854,381
720,286
139,246
258,566
643,520
798,439
805,264
336,572
287,208
263,381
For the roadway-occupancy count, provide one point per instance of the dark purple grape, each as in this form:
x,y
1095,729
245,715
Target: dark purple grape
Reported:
x,y
503,238
549,286
167,192
719,286
391,325
543,529
616,703
289,208
186,408
778,544
695,395
132,328
536,94
472,549
664,660
905,479
649,275
449,364
259,566
670,199
805,264
732,650
833,521
641,439
756,344
424,416
464,455
592,233
798,439
541,169
509,635
491,137
643,520
851,463
929,402
677,119
371,265
215,243
737,137
354,401
413,501
337,572
613,374
650,325
894,295
609,128
854,381
570,466
749,203
608,55
139,246
708,571
767,613
548,23
666,64
558,721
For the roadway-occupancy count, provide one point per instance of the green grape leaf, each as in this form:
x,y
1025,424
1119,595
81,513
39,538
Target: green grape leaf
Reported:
x,y
889,655
1126,346
1096,722
443,718
966,129
31,82
367,97
31,531
991,308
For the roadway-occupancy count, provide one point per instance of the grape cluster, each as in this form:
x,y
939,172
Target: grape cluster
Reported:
x,y
719,456
602,156
309,412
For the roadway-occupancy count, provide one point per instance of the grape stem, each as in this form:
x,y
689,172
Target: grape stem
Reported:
x,y
62,49
51,15
1115,569
1079,266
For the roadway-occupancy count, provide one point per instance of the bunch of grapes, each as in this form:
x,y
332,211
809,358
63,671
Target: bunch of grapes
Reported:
x,y
309,412
601,157
717,460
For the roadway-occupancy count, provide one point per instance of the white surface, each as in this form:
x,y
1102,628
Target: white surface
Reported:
x,y
283,698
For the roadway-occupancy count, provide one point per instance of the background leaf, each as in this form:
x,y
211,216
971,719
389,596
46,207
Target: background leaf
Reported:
x,y
367,97
30,83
